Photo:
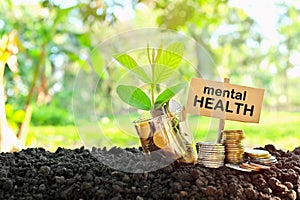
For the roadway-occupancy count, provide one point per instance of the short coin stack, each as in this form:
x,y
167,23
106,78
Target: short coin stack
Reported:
x,y
234,150
211,155
260,156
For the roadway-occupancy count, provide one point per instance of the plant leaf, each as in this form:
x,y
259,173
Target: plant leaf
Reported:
x,y
130,64
172,55
176,47
148,53
159,51
134,96
167,94
168,62
162,73
153,55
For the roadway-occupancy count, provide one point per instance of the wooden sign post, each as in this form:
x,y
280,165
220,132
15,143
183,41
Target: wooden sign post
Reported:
x,y
222,121
224,101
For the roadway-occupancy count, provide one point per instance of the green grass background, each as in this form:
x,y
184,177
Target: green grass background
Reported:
x,y
278,128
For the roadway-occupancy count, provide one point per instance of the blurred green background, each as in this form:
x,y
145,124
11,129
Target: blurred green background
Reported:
x,y
254,43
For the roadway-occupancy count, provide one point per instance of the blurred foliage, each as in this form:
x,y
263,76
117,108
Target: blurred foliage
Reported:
x,y
51,115
277,129
239,48
58,38
14,116
9,47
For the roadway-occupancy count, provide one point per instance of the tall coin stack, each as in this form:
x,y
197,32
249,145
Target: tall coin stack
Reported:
x,y
234,150
211,155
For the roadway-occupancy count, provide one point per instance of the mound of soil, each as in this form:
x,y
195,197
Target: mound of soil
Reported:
x,y
78,174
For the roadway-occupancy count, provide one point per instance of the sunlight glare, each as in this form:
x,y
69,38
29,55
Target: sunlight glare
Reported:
x,y
257,10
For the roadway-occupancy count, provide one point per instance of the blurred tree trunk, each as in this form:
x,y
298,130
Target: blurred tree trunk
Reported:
x,y
23,130
22,133
8,140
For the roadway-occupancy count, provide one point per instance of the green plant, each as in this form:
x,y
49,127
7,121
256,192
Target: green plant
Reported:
x,y
163,63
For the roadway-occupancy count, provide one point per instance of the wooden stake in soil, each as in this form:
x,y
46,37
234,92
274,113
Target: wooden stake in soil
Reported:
x,y
222,121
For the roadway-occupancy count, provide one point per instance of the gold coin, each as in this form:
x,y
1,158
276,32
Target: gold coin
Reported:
x,y
233,131
160,140
237,167
143,129
257,152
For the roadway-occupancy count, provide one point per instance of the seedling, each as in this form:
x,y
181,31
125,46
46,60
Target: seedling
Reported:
x,y
163,64
162,131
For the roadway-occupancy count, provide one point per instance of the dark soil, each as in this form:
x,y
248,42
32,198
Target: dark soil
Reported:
x,y
78,174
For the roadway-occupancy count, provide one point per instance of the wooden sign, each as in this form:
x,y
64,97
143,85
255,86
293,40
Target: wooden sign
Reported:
x,y
224,100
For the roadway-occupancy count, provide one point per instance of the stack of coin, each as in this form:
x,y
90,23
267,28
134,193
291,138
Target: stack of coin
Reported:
x,y
234,150
211,155
260,156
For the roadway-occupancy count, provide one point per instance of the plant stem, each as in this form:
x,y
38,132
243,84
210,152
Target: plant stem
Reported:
x,y
152,85
153,77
